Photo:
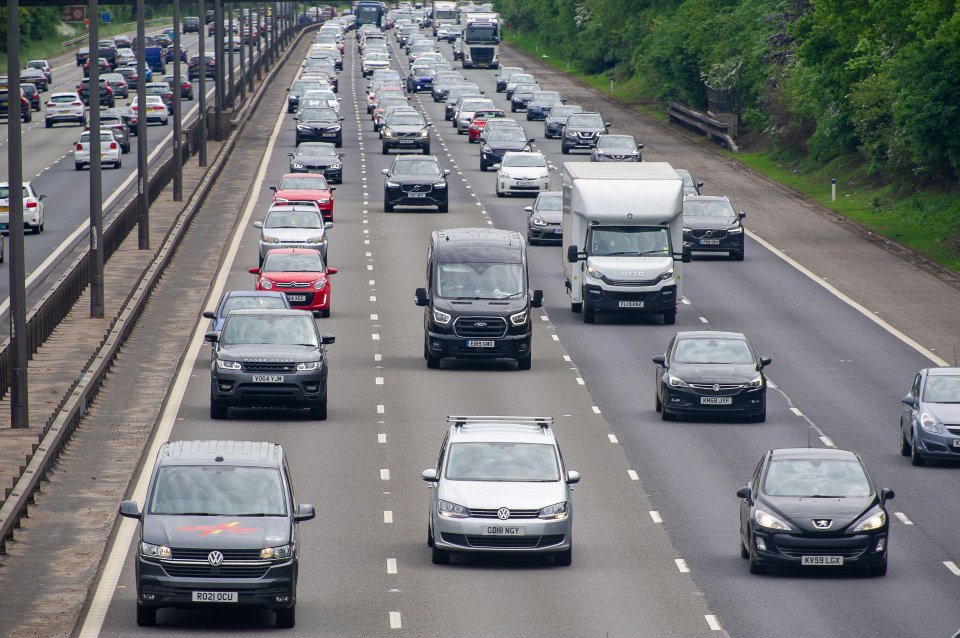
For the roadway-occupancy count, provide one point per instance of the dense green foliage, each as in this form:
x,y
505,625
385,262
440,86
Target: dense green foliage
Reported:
x,y
817,78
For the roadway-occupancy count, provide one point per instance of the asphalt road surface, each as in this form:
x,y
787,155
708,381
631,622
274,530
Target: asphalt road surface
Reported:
x,y
656,527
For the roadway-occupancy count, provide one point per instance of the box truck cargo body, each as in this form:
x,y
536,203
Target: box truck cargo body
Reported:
x,y
623,238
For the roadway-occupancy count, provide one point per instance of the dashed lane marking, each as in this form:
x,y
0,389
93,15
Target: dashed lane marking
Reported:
x,y
387,517
384,474
381,438
380,408
391,565
655,516
903,518
596,410
395,620
633,475
682,565
613,438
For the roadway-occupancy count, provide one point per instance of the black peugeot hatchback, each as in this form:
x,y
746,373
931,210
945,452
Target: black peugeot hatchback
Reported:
x,y
813,508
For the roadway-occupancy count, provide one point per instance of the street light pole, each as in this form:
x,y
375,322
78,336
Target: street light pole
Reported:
x,y
243,67
218,80
202,83
96,186
229,96
177,104
143,195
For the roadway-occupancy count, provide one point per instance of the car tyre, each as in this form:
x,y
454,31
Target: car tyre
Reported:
x,y
118,164
754,566
384,149
319,412
78,166
483,167
443,208
666,416
218,411
146,616
670,317
48,124
525,363
905,447
589,314
760,418
736,255
339,143
387,206
432,362
915,459
878,570
440,557
576,306
564,149
744,552
287,618
325,313
657,404
564,558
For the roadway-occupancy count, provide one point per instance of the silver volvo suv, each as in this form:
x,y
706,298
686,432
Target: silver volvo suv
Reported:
x,y
500,486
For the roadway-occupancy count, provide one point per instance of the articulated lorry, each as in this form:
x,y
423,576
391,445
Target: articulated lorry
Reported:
x,y
444,13
480,40
623,238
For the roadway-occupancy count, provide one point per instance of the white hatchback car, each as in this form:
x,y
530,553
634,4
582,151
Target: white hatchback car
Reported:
x,y
65,107
109,150
157,110
32,210
525,172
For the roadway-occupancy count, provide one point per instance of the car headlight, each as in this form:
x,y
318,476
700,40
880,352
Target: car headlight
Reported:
x,y
266,284
676,382
320,284
666,274
769,521
149,550
876,521
440,185
424,133
544,175
451,510
756,382
309,365
537,221
304,127
225,364
686,230
282,552
557,511
296,165
440,317
930,423
334,166
594,273
269,239
334,129
388,133
486,149
318,239
390,184
735,231
518,319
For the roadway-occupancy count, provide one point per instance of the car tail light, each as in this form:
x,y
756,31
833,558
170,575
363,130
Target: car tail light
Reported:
x,y
31,204
76,104
79,147
135,108
113,146
169,95
51,105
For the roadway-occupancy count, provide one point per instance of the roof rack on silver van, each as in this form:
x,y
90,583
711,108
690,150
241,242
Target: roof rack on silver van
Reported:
x,y
542,421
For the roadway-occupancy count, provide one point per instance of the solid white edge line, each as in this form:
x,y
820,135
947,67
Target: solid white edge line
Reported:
x,y
949,564
850,302
796,411
97,612
826,440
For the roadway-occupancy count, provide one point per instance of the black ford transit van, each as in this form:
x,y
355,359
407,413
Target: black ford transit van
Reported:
x,y
477,300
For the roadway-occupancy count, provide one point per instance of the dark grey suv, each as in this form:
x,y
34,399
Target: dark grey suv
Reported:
x,y
269,358
711,225
405,130
582,131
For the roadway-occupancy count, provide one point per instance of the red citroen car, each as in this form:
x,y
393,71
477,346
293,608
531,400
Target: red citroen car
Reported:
x,y
480,120
300,274
306,187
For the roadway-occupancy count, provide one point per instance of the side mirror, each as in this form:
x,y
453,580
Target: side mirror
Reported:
x,y
573,477
685,255
332,271
213,336
573,255
909,400
385,171
326,338
660,360
258,224
41,197
305,512
537,301
886,495
699,183
745,493
327,225
273,188
607,124
741,214
254,271
765,361
420,296
331,188
208,314
552,167
532,140
129,509
529,209
446,172
342,119
429,475
639,146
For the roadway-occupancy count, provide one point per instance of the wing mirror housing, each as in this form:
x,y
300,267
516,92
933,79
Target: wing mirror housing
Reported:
x,y
529,209
430,475
765,361
639,147
213,336
385,171
208,314
660,360
573,255
331,270
446,172
326,338
909,400
129,509
258,224
254,271
573,477
537,301
745,493
886,495
741,214
420,296
305,512
327,225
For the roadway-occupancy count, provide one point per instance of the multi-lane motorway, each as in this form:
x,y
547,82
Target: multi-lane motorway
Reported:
x,y
656,529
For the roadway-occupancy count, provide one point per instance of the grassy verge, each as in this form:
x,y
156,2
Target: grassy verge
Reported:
x,y
52,45
927,221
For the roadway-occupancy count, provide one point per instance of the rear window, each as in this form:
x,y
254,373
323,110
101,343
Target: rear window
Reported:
x,y
64,99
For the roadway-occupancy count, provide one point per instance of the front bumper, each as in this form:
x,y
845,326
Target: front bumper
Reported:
x,y
929,445
466,535
727,243
745,401
314,135
654,301
528,187
332,174
549,233
575,141
398,197
236,388
422,143
857,550
276,589
445,345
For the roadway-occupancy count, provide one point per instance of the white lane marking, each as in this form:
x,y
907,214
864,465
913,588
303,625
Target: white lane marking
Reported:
x,y
566,358
391,565
712,622
380,408
596,410
655,515
375,336
384,474
703,320
97,612
850,302
395,620
373,317
826,440
684,301
580,381
633,475
381,438
372,282
772,384
544,318
613,438
379,381
387,517
903,518
796,411
555,337
373,297
682,565
369,266
377,357
949,564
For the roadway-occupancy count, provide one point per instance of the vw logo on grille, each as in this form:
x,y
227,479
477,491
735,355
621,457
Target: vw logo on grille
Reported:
x,y
503,513
716,387
481,324
822,523
215,558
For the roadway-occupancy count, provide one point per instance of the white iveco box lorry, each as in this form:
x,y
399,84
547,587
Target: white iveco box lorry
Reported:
x,y
623,238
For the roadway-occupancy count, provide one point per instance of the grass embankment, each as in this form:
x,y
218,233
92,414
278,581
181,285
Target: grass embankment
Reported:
x,y
52,45
927,221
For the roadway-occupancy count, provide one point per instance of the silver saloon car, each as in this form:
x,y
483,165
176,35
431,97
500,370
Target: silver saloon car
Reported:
x,y
298,225
500,486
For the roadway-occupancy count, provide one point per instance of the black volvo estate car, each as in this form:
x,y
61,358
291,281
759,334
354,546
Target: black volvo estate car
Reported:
x,y
218,529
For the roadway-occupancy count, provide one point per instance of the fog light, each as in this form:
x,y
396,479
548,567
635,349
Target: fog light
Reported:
x,y
676,400
282,599
148,596
225,387
312,388
761,544
881,544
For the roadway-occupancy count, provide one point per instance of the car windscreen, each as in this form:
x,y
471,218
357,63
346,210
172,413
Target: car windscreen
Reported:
x,y
293,219
104,138
586,119
218,490
264,329
546,97
628,240
520,78
708,208
526,161
816,478
307,182
712,351
406,119
617,142
316,94
507,134
253,302
686,177
553,202
376,55
469,106
524,89
319,115
520,462
301,87
416,167
456,280
937,389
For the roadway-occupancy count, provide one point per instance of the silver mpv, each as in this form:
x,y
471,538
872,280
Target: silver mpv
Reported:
x,y
500,486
